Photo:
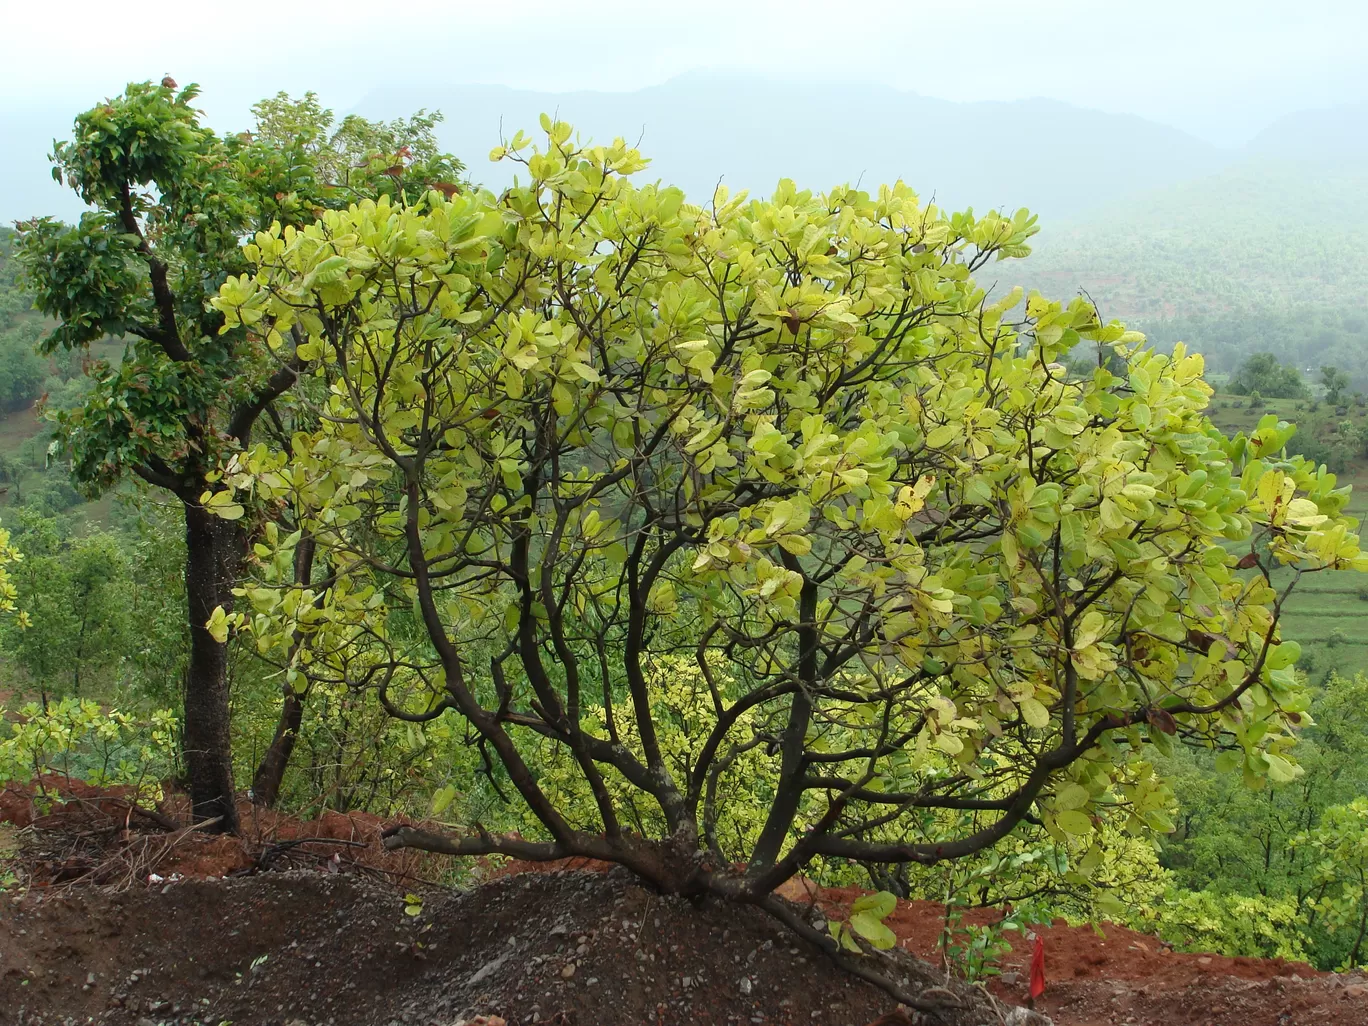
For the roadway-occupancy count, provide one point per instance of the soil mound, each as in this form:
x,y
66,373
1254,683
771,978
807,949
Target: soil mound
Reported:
x,y
67,831
129,919
292,948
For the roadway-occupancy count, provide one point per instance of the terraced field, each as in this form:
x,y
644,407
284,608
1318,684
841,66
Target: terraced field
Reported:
x,y
1328,614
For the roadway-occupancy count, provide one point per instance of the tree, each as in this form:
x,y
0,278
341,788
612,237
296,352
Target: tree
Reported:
x,y
171,200
1339,843
1262,373
930,587
77,592
1335,382
9,556
1233,840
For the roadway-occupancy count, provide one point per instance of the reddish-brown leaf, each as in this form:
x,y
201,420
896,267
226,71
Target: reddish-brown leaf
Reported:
x,y
1162,720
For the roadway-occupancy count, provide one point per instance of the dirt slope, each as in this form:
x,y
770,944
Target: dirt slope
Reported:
x,y
576,948
328,943
565,947
1127,977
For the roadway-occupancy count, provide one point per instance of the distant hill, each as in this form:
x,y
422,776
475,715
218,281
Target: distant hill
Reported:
x,y
1331,134
1261,232
1270,254
1265,246
1058,160
1062,161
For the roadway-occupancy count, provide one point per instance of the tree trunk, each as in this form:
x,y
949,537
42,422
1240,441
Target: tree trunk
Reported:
x,y
271,771
213,548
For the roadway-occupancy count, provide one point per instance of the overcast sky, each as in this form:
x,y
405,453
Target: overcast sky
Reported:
x,y
1218,68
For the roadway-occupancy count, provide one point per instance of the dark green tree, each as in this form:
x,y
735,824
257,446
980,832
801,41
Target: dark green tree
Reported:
x,y
171,202
78,593
1335,382
1262,373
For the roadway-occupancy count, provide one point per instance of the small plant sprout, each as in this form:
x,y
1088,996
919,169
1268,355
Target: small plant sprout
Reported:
x,y
867,915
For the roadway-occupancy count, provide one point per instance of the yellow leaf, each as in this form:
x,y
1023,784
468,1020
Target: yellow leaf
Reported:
x,y
1034,713
1071,821
217,626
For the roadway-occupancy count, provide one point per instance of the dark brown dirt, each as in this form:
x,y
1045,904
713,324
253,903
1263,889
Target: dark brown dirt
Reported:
x,y
68,831
575,948
339,949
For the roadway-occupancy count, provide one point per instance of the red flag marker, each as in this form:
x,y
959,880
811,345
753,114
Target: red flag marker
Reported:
x,y
1038,968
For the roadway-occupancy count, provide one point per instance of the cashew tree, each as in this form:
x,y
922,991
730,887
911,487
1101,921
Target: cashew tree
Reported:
x,y
171,202
770,499
9,594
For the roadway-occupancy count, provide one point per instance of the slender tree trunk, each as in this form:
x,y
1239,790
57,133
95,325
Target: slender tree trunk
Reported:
x,y
212,549
271,770
1363,922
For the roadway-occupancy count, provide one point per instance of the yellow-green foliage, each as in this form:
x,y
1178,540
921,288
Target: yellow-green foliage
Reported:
x,y
1229,924
78,739
684,715
582,428
350,754
8,593
1339,845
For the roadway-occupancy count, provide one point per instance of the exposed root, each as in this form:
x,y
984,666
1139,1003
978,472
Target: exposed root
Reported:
x,y
935,1002
929,1003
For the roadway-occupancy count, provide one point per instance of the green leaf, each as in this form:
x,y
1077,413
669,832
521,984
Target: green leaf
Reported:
x,y
1071,821
1072,796
1283,655
1227,762
873,930
1280,770
879,904
940,437
1034,713
442,799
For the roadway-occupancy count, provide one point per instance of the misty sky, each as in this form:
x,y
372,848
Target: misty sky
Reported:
x,y
1220,69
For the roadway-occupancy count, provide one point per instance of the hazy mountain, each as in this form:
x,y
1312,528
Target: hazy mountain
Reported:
x,y
1054,158
1266,255
1062,161
1327,135
1258,234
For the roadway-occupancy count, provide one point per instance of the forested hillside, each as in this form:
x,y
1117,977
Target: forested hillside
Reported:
x,y
21,369
1266,256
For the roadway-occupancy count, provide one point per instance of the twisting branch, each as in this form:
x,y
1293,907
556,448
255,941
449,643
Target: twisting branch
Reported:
x,y
166,334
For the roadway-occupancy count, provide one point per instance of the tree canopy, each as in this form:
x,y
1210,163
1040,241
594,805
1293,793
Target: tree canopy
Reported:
x,y
1335,382
171,202
1262,373
595,462
9,555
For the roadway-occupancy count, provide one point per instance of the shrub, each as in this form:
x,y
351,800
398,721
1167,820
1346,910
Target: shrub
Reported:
x,y
662,513
1230,924
77,739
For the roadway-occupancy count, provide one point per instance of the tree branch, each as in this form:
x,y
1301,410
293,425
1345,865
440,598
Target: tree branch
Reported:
x,y
245,416
168,334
